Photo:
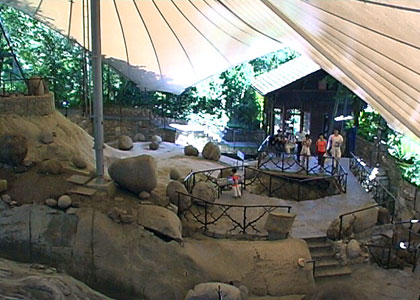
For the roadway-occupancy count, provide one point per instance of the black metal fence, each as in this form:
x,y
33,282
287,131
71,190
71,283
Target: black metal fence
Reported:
x,y
229,220
294,188
367,179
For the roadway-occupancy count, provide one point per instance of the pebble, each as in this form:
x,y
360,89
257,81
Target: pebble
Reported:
x,y
144,195
51,202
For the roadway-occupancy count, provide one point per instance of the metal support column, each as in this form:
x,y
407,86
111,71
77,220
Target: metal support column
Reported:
x,y
98,128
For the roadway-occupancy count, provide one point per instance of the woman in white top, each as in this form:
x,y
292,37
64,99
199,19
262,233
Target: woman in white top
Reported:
x,y
334,144
306,150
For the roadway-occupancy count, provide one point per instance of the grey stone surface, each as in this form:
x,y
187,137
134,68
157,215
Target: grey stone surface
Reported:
x,y
136,174
211,151
78,179
13,149
125,142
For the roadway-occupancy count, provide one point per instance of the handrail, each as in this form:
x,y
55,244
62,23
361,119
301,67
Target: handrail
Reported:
x,y
211,217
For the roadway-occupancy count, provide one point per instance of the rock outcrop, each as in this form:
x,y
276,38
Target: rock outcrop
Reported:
x,y
38,282
211,151
51,166
128,261
160,220
172,190
214,291
136,174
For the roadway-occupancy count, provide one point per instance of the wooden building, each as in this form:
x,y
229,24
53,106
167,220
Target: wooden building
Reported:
x,y
296,98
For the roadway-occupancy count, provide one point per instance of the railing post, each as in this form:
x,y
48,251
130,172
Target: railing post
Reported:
x,y
282,162
307,164
244,184
205,216
244,222
179,208
340,228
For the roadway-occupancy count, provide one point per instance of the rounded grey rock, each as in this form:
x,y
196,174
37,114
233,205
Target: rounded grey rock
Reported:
x,y
64,202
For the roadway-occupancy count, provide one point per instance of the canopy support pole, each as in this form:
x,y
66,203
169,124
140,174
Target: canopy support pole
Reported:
x,y
98,128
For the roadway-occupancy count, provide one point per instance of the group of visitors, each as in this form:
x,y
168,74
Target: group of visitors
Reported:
x,y
303,143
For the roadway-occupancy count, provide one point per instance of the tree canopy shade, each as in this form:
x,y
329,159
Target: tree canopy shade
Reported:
x,y
370,46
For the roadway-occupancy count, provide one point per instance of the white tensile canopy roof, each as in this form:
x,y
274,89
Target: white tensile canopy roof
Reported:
x,y
372,46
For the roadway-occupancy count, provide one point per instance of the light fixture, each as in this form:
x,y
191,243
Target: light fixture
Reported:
x,y
403,245
343,118
414,221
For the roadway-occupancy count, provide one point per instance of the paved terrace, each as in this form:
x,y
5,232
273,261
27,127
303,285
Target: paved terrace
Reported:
x,y
313,216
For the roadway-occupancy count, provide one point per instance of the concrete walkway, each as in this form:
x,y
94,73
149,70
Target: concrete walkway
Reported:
x,y
313,216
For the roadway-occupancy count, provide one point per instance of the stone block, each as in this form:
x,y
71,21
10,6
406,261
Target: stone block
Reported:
x,y
279,223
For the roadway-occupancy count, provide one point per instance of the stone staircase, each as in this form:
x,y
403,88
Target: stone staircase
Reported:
x,y
323,253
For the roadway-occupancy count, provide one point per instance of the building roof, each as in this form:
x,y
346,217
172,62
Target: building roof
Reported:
x,y
285,74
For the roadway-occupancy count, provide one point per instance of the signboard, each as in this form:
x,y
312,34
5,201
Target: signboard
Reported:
x,y
241,155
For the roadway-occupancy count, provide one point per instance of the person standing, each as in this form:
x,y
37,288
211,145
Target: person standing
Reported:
x,y
299,138
235,185
321,149
334,144
306,150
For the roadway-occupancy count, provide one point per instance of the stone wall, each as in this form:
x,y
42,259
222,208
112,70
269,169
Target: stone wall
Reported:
x,y
28,105
408,195
126,121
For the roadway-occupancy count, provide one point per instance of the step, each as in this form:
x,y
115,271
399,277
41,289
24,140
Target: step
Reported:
x,y
332,272
314,245
326,262
322,252
315,239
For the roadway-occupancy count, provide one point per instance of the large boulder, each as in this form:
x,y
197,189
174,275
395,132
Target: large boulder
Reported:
x,y
13,149
279,224
353,249
205,191
346,227
384,216
139,137
190,151
46,137
154,146
214,291
79,162
136,174
125,143
156,139
51,166
172,190
174,174
211,151
365,219
160,220
3,185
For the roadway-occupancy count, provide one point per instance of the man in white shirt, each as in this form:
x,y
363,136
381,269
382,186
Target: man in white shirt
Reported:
x,y
334,145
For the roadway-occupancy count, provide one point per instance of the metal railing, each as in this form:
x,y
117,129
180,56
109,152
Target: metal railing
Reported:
x,y
370,183
239,219
21,86
293,187
288,162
